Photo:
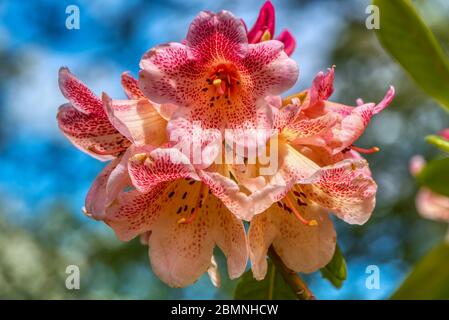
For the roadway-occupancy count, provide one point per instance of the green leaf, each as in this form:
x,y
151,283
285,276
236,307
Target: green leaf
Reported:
x,y
406,37
429,278
335,270
438,142
435,175
273,287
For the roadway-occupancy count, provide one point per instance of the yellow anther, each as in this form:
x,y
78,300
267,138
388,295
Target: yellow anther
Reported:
x,y
139,157
266,36
313,223
217,82
182,220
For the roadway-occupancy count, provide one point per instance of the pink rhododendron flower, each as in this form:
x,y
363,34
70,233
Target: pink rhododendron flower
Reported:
x,y
219,80
223,77
312,179
264,29
429,204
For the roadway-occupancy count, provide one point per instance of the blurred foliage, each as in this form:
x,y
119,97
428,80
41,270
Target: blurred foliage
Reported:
x,y
439,142
430,277
406,37
272,287
435,175
335,271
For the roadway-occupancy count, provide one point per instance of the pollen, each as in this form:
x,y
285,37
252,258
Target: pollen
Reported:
x,y
266,36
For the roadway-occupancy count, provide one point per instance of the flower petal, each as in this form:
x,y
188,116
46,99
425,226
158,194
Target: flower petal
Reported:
x,y
153,167
227,191
137,120
301,247
229,235
288,40
270,69
265,22
132,90
180,253
78,93
343,188
131,87
91,133
432,206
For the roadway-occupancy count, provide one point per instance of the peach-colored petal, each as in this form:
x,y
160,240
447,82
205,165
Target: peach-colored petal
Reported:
x,y
345,189
131,87
137,120
180,253
301,247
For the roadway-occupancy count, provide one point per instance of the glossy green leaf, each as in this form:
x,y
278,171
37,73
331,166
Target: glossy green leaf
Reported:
x,y
438,142
406,37
435,175
273,287
429,279
335,270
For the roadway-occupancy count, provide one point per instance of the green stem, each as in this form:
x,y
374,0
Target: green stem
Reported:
x,y
293,280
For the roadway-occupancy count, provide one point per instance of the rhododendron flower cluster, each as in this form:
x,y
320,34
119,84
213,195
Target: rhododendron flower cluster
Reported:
x,y
190,147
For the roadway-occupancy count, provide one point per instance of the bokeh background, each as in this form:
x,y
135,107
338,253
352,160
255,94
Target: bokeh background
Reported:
x,y
43,178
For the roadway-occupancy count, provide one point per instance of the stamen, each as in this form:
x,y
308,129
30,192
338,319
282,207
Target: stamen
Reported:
x,y
93,148
266,36
202,195
311,223
365,151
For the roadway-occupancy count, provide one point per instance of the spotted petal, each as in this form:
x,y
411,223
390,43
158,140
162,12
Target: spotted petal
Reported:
x,y
301,247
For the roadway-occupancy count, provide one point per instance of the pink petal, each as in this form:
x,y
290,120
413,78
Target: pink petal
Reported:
x,y
265,22
137,120
350,122
131,87
322,87
302,248
78,94
132,90
217,50
444,134
432,206
270,70
219,35
91,133
151,168
288,40
168,75
416,164
344,189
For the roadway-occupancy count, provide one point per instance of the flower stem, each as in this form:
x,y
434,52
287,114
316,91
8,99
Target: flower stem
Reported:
x,y
293,280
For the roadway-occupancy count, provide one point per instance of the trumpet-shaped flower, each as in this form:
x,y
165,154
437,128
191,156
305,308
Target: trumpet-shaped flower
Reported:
x,y
183,214
218,79
312,179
